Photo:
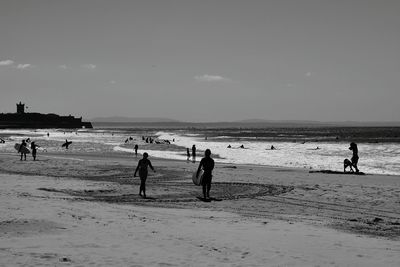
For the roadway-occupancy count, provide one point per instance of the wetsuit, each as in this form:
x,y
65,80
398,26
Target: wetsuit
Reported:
x,y
208,165
143,171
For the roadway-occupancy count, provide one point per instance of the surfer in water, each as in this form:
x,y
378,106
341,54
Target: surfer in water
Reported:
x,y
207,163
142,166
21,150
354,159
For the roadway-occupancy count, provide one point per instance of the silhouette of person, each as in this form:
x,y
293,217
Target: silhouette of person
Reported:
x,y
272,147
187,153
136,148
194,153
2,141
143,171
20,150
34,150
354,158
229,146
242,146
207,163
48,134
66,144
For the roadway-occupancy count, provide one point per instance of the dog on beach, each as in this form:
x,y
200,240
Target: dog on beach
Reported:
x,y
347,163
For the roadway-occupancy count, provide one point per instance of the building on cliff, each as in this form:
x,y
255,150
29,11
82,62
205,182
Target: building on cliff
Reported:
x,y
23,119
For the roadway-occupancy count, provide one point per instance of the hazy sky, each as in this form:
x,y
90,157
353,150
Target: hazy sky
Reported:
x,y
217,60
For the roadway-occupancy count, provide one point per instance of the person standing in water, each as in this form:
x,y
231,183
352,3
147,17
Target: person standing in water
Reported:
x,y
34,150
136,148
194,153
207,163
142,166
188,154
354,158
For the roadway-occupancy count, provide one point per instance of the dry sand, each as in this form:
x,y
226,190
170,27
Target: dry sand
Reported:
x,y
84,210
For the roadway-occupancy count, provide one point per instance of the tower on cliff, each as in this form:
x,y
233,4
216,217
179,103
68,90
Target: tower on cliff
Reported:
x,y
20,108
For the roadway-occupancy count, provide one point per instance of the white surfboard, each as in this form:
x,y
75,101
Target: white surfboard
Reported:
x,y
197,179
24,149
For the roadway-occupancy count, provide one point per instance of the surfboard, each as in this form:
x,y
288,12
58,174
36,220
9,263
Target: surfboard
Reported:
x,y
197,179
24,149
66,144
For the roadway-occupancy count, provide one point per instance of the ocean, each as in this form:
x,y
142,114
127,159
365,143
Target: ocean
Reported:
x,y
313,148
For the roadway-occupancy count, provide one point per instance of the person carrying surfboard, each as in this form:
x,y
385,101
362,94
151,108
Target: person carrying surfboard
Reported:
x,y
142,166
207,163
22,150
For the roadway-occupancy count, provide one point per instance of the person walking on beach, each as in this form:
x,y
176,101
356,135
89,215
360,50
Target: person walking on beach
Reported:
x,y
34,150
142,166
21,149
194,153
354,158
136,148
207,163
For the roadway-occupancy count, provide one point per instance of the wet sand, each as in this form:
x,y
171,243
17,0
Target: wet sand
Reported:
x,y
84,208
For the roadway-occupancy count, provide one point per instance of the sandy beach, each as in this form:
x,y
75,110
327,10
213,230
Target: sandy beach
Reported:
x,y
83,209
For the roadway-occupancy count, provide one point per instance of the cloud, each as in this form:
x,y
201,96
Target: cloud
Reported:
x,y
113,82
64,67
309,74
89,66
23,66
211,78
6,62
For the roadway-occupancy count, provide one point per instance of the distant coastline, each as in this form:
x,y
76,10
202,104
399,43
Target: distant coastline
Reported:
x,y
125,122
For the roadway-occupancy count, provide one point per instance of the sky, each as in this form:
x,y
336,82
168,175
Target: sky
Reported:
x,y
202,60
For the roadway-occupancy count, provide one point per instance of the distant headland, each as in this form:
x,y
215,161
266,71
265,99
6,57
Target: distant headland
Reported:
x,y
22,119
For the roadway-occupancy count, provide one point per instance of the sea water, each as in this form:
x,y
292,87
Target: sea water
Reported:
x,y
294,148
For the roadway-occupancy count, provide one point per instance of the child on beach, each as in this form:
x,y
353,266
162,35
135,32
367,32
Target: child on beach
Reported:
x,y
142,168
207,163
354,159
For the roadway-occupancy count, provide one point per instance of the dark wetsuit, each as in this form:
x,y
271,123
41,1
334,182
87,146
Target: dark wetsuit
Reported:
x,y
194,152
208,165
142,167
143,164
34,150
354,159
23,144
